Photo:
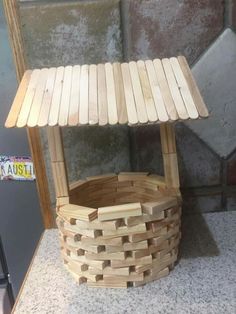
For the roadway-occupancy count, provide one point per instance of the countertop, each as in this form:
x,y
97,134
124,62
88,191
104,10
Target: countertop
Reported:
x,y
203,281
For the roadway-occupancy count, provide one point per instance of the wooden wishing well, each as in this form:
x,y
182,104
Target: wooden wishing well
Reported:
x,y
116,230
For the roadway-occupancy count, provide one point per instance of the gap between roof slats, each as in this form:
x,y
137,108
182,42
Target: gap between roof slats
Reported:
x,y
120,94
174,89
56,97
111,96
165,90
147,93
47,98
102,95
129,97
156,93
198,101
184,90
138,94
28,99
38,98
73,118
65,96
18,100
93,95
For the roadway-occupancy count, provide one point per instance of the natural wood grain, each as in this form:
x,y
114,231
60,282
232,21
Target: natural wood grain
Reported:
x,y
156,92
147,92
93,95
138,94
28,99
102,95
198,101
120,94
56,97
84,94
38,97
73,118
179,104
129,97
47,98
111,96
65,96
165,90
184,90
18,100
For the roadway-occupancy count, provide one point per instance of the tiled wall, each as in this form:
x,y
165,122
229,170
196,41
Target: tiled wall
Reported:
x,y
61,32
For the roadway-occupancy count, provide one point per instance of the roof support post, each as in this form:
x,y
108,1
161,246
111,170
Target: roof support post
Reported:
x,y
169,154
58,165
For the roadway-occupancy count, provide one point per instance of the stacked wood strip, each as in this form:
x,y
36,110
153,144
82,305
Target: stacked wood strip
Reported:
x,y
120,245
154,91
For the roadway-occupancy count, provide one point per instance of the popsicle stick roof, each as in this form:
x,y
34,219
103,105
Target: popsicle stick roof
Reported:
x,y
131,93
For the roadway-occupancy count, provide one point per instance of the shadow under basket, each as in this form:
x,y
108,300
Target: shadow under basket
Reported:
x,y
119,230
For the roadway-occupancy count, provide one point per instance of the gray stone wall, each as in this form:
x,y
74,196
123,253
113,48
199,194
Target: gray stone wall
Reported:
x,y
90,31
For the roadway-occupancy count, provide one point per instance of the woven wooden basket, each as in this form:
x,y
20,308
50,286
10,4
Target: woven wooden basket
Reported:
x,y
120,230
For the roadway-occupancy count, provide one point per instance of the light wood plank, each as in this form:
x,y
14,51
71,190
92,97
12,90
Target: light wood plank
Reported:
x,y
129,97
199,103
156,92
177,98
18,100
93,95
147,92
138,94
119,211
73,118
184,90
56,97
111,96
65,96
120,94
47,98
29,96
38,97
165,90
84,94
102,95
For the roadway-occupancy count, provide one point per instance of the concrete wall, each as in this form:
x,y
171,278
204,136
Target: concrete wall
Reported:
x,y
69,32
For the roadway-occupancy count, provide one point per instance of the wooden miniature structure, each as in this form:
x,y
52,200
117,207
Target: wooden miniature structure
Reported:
x,y
116,230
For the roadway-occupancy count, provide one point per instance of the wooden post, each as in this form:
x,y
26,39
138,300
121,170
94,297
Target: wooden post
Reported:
x,y
12,17
58,165
169,154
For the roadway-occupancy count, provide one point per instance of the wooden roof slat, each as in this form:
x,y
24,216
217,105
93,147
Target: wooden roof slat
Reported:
x,y
138,94
73,118
198,101
47,98
174,89
165,90
84,94
65,96
28,99
111,96
38,97
93,95
18,100
184,90
102,95
56,97
147,92
156,92
120,94
131,93
129,97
